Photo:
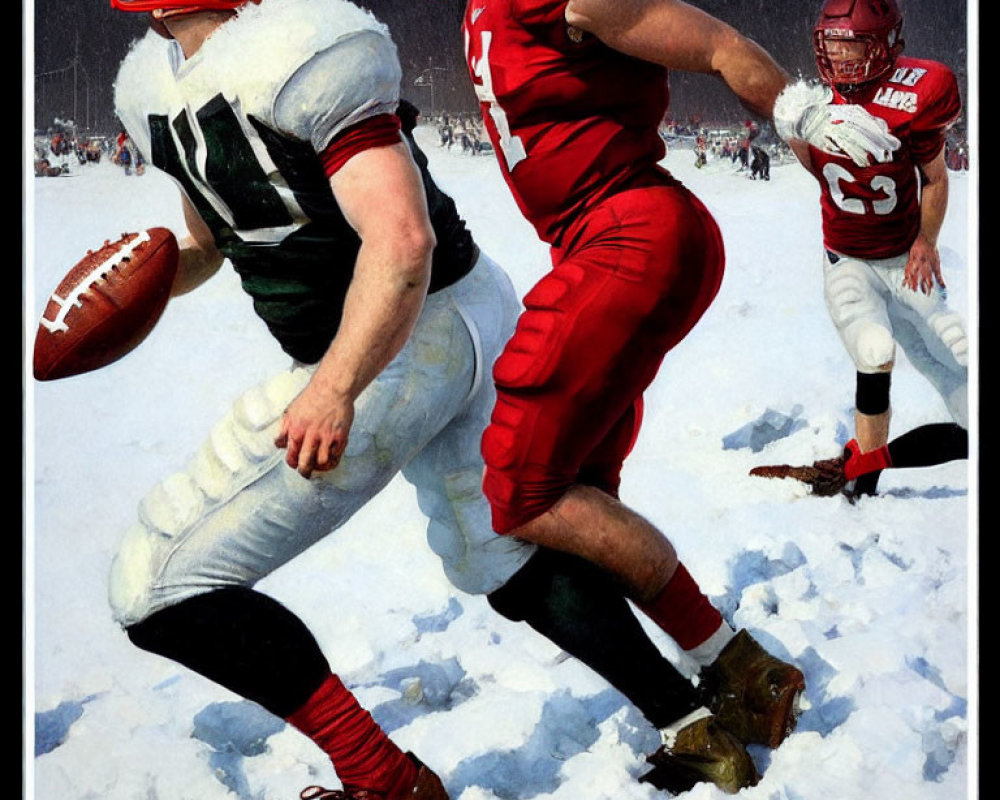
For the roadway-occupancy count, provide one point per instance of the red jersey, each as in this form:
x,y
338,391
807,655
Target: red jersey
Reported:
x,y
874,211
571,120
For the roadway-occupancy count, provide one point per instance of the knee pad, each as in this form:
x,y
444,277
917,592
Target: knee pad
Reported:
x,y
131,580
165,513
871,346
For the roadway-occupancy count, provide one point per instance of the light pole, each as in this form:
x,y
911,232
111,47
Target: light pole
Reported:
x,y
86,78
41,76
426,78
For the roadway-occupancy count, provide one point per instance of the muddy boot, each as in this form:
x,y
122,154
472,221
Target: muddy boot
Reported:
x,y
701,752
427,787
753,695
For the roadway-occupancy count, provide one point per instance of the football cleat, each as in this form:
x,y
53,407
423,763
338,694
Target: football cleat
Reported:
x,y
853,474
755,696
427,787
824,478
701,752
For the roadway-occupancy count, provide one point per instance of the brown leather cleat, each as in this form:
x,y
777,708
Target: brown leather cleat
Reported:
x,y
427,787
753,695
702,752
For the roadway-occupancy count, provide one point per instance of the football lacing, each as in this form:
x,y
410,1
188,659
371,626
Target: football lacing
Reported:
x,y
72,300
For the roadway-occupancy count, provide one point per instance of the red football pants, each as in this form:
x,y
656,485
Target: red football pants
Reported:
x,y
634,275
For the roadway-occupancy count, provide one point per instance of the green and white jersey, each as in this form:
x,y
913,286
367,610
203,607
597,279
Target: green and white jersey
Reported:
x,y
240,127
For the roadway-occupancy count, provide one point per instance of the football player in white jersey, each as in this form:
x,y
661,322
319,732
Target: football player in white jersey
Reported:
x,y
294,166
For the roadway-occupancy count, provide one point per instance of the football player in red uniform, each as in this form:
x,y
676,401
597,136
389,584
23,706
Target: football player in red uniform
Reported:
x,y
882,270
572,94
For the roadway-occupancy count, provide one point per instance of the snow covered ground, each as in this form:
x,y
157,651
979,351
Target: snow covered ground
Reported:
x,y
876,601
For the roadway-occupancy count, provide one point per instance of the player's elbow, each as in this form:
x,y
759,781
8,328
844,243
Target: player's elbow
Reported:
x,y
411,248
723,48
598,17
197,265
576,15
737,60
421,240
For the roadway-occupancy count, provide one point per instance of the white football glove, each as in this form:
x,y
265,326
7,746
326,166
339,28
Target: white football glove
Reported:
x,y
803,111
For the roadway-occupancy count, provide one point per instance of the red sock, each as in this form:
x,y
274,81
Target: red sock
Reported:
x,y
363,756
859,463
683,612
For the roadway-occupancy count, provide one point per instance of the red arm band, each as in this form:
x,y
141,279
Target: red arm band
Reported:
x,y
380,131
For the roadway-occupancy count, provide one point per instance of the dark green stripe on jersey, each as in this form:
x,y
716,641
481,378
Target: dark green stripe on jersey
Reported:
x,y
297,284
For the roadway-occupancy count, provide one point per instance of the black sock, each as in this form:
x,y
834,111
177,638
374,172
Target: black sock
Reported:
x,y
243,640
929,445
583,610
866,484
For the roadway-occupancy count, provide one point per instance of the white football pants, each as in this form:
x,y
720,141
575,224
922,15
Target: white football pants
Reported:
x,y
238,511
873,311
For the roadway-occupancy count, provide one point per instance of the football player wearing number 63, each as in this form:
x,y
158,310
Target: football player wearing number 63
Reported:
x,y
572,94
882,270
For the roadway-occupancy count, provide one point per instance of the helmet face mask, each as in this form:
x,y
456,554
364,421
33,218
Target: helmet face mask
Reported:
x,y
857,41
851,61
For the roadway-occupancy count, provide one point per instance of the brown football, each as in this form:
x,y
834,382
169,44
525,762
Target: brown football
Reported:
x,y
106,305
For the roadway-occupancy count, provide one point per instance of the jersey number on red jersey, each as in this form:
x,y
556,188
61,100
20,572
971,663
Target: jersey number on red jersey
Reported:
x,y
878,196
511,146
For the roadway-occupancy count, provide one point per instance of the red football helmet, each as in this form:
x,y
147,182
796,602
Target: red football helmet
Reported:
x,y
857,41
160,10
174,7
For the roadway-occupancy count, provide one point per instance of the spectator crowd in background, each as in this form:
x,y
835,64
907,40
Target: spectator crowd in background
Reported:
x,y
59,150
956,151
748,147
462,131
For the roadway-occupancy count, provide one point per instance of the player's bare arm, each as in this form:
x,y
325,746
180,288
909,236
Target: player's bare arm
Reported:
x,y
923,267
677,35
680,36
383,302
199,257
